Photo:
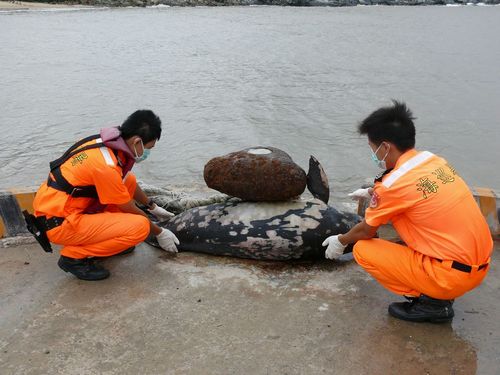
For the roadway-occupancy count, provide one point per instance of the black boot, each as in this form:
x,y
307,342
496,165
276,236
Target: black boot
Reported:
x,y
423,309
84,269
126,251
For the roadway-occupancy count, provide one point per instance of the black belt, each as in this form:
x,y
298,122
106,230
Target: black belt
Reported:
x,y
464,267
51,223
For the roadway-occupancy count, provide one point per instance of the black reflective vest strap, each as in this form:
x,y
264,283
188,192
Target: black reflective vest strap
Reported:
x,y
81,142
60,183
381,175
74,149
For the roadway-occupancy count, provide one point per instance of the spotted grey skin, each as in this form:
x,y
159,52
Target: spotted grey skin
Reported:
x,y
259,230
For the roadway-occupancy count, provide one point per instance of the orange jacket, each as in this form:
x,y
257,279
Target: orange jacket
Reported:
x,y
98,167
432,209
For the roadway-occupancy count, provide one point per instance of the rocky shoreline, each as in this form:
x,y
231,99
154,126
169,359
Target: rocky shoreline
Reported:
x,y
305,3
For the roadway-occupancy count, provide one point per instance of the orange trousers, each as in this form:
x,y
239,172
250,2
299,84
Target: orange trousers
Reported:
x,y
102,234
409,273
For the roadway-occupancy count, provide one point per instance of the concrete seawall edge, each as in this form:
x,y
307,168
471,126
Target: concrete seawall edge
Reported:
x,y
13,201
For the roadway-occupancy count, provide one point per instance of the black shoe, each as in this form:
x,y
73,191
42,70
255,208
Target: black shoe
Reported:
x,y
423,309
84,269
126,251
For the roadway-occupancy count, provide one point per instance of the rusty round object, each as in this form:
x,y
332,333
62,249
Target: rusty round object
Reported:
x,y
256,174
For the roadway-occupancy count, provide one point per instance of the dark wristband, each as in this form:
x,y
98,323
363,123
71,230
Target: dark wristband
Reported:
x,y
150,204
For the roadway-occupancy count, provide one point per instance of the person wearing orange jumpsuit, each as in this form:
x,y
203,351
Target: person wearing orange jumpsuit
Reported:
x,y
447,242
88,202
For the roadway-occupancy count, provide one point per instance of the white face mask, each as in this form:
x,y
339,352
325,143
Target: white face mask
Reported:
x,y
380,163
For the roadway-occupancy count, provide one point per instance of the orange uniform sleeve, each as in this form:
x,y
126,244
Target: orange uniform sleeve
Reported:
x,y
385,204
109,185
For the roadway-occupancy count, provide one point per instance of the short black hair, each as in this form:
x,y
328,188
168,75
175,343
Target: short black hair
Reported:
x,y
392,124
143,123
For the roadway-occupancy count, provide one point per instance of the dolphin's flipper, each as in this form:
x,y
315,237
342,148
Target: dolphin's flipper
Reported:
x,y
317,182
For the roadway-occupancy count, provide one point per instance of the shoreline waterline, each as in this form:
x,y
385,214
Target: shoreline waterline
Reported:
x,y
14,6
25,5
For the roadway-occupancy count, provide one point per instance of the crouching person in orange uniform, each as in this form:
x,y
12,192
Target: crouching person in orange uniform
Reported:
x,y
88,202
447,240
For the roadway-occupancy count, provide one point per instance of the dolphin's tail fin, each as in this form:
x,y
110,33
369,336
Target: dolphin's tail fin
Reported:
x,y
317,181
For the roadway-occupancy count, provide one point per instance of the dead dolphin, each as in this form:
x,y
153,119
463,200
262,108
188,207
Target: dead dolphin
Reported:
x,y
259,230
263,230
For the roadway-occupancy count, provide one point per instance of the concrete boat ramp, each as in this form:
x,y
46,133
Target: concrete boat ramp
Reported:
x,y
197,314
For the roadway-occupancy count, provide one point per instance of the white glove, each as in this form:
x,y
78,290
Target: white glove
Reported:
x,y
360,194
167,241
161,213
335,249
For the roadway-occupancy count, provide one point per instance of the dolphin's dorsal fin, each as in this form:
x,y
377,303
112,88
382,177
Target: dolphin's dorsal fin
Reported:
x,y
317,182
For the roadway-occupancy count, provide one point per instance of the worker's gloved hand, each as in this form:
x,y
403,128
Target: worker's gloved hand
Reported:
x,y
161,213
360,194
167,241
335,249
